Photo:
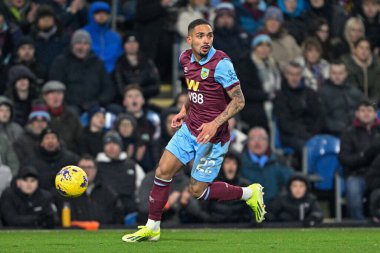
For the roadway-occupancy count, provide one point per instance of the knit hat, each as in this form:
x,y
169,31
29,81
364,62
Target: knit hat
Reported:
x,y
225,9
113,137
274,13
262,38
81,36
53,86
94,110
18,72
130,37
46,131
24,40
39,115
27,171
44,11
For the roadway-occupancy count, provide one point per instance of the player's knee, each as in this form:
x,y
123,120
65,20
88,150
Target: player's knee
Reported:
x,y
196,190
163,173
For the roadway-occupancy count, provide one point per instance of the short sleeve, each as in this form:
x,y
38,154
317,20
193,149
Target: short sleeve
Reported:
x,y
225,74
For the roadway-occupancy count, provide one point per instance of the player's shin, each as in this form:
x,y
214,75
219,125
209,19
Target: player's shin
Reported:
x,y
157,200
222,191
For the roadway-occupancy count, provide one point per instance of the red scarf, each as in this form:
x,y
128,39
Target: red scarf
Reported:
x,y
56,112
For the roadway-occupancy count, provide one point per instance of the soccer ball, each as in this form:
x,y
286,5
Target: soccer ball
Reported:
x,y
71,181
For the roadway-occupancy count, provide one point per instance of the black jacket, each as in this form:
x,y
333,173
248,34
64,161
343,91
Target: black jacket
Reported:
x,y
298,111
145,74
101,204
287,208
86,80
91,143
339,104
25,146
254,94
49,163
373,176
21,210
121,176
356,154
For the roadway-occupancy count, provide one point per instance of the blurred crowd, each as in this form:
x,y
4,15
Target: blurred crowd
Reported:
x,y
74,91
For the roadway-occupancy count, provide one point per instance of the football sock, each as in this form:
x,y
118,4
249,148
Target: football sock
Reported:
x,y
222,191
153,225
158,198
247,193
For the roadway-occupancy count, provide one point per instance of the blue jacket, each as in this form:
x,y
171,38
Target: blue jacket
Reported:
x,y
106,43
302,5
271,174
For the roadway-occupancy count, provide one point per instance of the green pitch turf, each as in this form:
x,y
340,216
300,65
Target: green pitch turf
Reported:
x,y
196,241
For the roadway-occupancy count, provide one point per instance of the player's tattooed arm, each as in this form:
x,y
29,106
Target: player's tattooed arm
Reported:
x,y
236,105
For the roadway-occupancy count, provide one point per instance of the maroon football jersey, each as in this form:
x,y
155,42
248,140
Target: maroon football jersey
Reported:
x,y
207,82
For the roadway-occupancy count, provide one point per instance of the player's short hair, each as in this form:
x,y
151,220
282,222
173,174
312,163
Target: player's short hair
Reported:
x,y
133,87
366,103
196,23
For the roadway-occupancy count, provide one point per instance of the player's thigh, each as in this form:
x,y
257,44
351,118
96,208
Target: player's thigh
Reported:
x,y
168,165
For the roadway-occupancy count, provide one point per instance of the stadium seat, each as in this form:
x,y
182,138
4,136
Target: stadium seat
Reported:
x,y
320,158
276,144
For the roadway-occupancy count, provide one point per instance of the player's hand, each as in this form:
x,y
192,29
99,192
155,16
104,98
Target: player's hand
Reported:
x,y
177,120
208,131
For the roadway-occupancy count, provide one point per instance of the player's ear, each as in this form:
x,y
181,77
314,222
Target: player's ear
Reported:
x,y
188,39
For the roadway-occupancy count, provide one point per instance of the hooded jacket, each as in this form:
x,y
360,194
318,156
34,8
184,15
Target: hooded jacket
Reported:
x,y
10,129
288,208
105,43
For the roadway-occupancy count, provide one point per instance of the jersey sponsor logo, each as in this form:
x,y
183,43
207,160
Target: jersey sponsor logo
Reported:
x,y
204,73
192,85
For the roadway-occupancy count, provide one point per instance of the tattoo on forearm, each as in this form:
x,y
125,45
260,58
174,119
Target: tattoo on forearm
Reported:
x,y
236,105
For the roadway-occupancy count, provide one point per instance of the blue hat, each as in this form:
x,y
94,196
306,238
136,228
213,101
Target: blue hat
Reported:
x,y
274,13
262,38
39,115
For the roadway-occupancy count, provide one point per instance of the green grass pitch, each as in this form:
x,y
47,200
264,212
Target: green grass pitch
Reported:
x,y
194,241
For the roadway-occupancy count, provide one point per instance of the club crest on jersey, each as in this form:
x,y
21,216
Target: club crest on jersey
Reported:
x,y
204,73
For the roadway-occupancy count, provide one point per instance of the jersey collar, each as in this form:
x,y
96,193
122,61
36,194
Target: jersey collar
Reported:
x,y
206,59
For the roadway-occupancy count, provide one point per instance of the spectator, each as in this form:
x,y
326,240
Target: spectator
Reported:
x,y
126,125
353,31
293,21
228,36
333,13
19,14
72,14
99,203
261,165
86,80
49,37
8,157
364,69
49,157
261,79
174,206
8,127
339,100
369,14
148,123
373,183
250,15
284,46
22,91
238,138
359,146
195,9
315,69
320,30
234,211
63,120
180,100
298,204
25,55
298,110
134,68
92,138
25,204
167,132
6,43
106,44
119,172
25,146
